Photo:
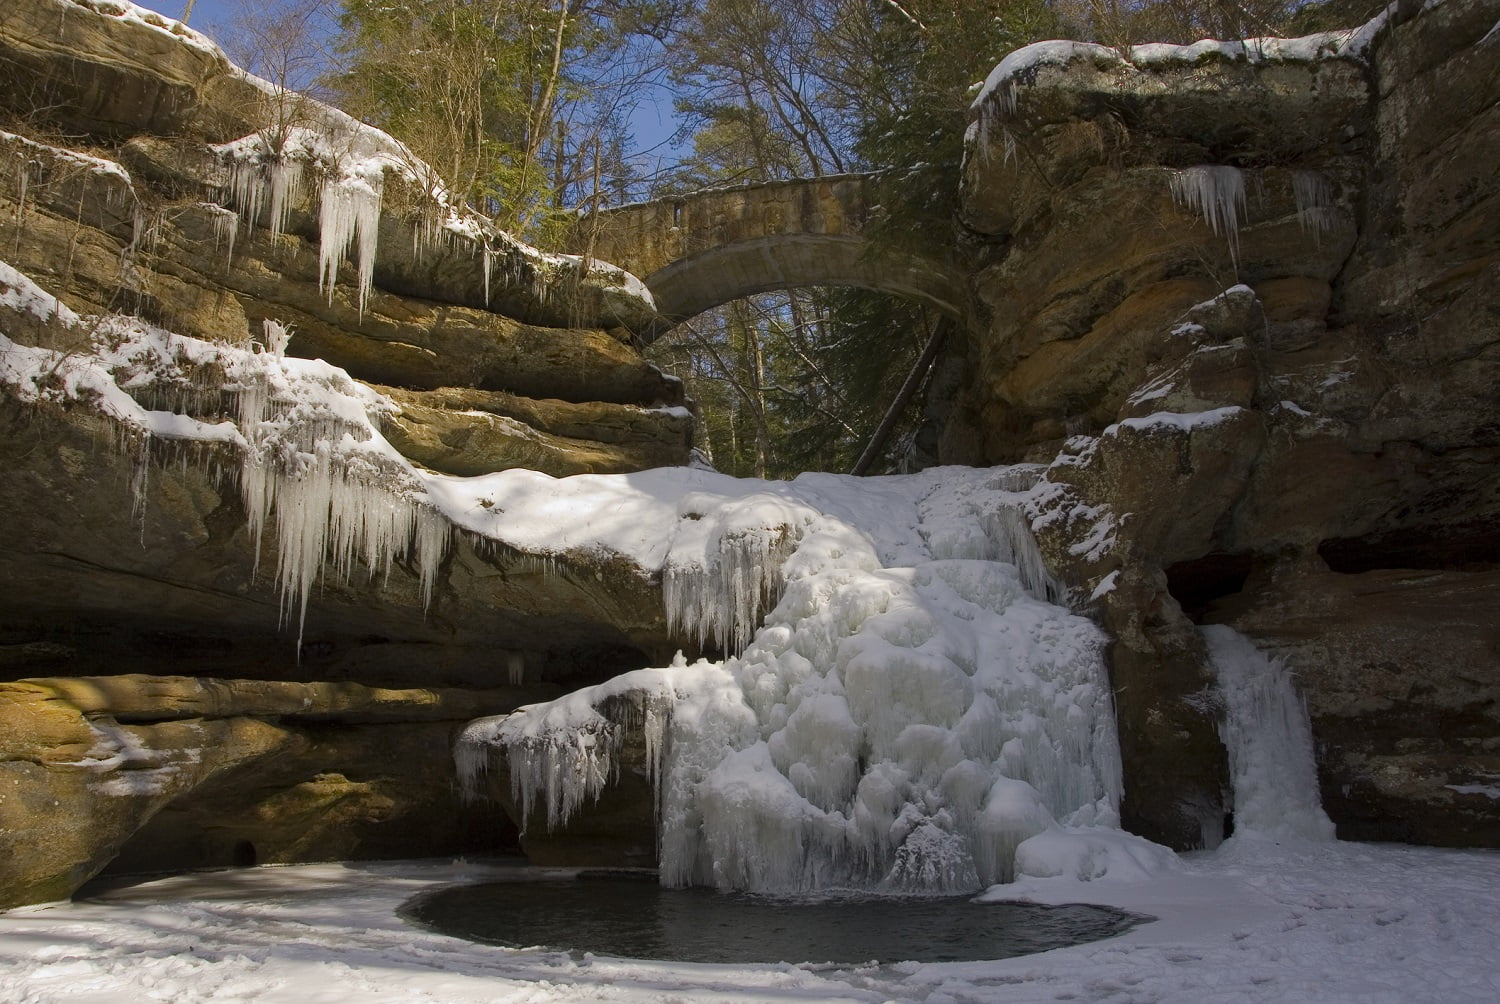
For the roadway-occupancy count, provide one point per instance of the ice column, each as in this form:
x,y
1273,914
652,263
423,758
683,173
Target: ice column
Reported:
x,y
1269,741
350,210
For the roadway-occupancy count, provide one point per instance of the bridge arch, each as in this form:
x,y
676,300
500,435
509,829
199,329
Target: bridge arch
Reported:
x,y
701,250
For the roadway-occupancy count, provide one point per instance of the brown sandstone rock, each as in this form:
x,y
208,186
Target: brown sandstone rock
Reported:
x,y
165,773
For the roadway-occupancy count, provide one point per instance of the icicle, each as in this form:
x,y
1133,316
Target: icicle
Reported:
x,y
226,229
566,768
285,184
247,188
515,665
720,598
1313,193
331,509
1268,738
277,335
1216,193
24,175
350,209
488,262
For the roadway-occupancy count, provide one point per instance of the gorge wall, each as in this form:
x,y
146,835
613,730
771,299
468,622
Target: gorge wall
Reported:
x,y
1238,302
161,712
1309,457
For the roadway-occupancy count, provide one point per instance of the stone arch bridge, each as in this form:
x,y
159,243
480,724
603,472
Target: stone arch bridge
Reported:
x,y
707,248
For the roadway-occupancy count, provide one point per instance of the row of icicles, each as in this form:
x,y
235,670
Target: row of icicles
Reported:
x,y
348,219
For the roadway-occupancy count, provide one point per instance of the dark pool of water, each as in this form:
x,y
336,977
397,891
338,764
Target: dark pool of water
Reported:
x,y
634,918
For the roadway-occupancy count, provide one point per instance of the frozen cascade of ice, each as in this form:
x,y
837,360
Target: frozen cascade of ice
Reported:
x,y
567,751
1269,740
350,209
906,716
1215,192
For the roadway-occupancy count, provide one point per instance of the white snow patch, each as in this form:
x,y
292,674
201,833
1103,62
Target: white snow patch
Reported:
x,y
1305,49
57,154
1106,586
1252,921
1183,421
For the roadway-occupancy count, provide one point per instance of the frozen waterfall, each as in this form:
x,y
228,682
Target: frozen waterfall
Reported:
x,y
1269,740
908,714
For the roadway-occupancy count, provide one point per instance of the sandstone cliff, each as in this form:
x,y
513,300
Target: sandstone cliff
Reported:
x,y
1309,456
141,173
1237,299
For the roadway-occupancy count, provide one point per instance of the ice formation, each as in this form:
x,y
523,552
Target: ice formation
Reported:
x,y
272,182
311,459
1313,193
907,715
226,229
1215,192
350,210
1269,741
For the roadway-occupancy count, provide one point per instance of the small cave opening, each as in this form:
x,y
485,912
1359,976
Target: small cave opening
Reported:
x,y
243,855
1196,584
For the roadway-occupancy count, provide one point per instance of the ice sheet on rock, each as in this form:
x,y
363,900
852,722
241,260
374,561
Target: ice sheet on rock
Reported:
x,y
1313,193
1269,741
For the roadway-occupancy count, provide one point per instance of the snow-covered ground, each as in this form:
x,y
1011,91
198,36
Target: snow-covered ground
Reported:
x,y
1253,921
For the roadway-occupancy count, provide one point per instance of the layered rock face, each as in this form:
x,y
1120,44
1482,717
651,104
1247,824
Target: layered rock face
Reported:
x,y
151,773
1309,456
1238,300
140,173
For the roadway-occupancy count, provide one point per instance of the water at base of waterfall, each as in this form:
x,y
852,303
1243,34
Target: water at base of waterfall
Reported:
x,y
633,917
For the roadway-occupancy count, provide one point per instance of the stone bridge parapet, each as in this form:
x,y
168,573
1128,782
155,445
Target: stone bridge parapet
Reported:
x,y
700,250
